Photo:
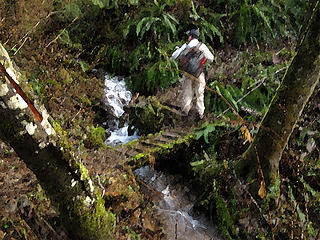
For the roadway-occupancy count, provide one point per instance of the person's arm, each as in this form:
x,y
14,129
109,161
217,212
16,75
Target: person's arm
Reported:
x,y
207,53
177,52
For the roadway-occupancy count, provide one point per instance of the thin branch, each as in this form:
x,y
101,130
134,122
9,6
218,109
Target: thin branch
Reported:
x,y
246,95
54,40
20,46
24,38
100,185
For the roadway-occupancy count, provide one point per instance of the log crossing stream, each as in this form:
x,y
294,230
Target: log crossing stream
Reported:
x,y
167,150
149,149
175,206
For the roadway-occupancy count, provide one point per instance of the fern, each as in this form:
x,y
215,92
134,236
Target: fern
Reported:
x,y
258,10
208,29
160,23
209,128
101,3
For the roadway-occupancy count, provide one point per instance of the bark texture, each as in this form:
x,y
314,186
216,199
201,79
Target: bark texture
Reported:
x,y
45,150
286,107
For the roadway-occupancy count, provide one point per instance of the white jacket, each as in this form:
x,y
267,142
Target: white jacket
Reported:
x,y
194,42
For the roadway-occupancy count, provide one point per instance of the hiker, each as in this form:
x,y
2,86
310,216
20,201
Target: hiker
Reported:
x,y
193,56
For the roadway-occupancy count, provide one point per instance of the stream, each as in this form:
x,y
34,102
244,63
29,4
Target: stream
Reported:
x,y
175,206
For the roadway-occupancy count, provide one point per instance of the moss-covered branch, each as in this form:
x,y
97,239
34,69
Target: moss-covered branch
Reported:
x,y
46,151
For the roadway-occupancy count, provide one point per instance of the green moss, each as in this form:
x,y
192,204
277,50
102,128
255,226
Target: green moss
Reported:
x,y
100,219
65,76
150,116
225,218
97,137
163,149
85,100
89,210
68,154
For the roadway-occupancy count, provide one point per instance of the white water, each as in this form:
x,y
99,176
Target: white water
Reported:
x,y
175,208
116,97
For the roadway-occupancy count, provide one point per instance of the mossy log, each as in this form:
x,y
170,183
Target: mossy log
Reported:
x,y
286,107
44,147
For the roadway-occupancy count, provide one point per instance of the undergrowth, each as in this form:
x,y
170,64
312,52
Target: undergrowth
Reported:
x,y
136,37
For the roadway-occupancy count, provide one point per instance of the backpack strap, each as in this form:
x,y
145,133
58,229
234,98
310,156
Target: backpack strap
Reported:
x,y
198,46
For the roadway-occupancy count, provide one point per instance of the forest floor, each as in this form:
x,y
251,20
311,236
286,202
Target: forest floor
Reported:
x,y
26,212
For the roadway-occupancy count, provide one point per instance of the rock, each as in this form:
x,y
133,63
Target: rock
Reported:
x,y
150,116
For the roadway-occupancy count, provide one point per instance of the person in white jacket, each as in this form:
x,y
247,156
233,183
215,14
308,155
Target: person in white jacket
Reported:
x,y
193,86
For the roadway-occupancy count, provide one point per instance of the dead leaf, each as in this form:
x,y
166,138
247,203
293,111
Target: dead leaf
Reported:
x,y
262,191
246,133
148,224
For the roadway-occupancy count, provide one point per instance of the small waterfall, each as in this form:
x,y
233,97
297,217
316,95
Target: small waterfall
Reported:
x,y
116,97
175,205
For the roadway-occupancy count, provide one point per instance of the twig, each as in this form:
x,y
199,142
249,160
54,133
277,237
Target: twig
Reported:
x,y
251,197
149,188
257,43
54,40
81,110
20,46
100,185
246,95
281,69
27,33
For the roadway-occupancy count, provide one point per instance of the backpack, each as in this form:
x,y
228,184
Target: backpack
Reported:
x,y
193,60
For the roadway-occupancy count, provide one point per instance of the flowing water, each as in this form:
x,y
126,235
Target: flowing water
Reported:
x,y
116,97
175,206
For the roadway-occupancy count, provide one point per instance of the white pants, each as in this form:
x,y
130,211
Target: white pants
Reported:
x,y
193,87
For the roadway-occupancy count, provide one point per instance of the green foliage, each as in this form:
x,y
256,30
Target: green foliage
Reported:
x,y
206,165
150,28
160,25
65,38
215,127
110,4
133,234
264,20
96,138
256,101
225,216
250,88
37,85
159,74
209,28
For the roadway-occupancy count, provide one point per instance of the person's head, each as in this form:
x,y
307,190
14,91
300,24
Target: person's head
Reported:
x,y
193,33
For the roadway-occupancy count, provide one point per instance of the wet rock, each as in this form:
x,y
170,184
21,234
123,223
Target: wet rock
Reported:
x,y
148,115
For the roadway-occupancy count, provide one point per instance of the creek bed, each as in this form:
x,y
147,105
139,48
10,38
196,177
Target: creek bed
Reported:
x,y
174,207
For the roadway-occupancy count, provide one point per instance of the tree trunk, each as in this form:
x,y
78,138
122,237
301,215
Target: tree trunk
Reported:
x,y
286,107
46,151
